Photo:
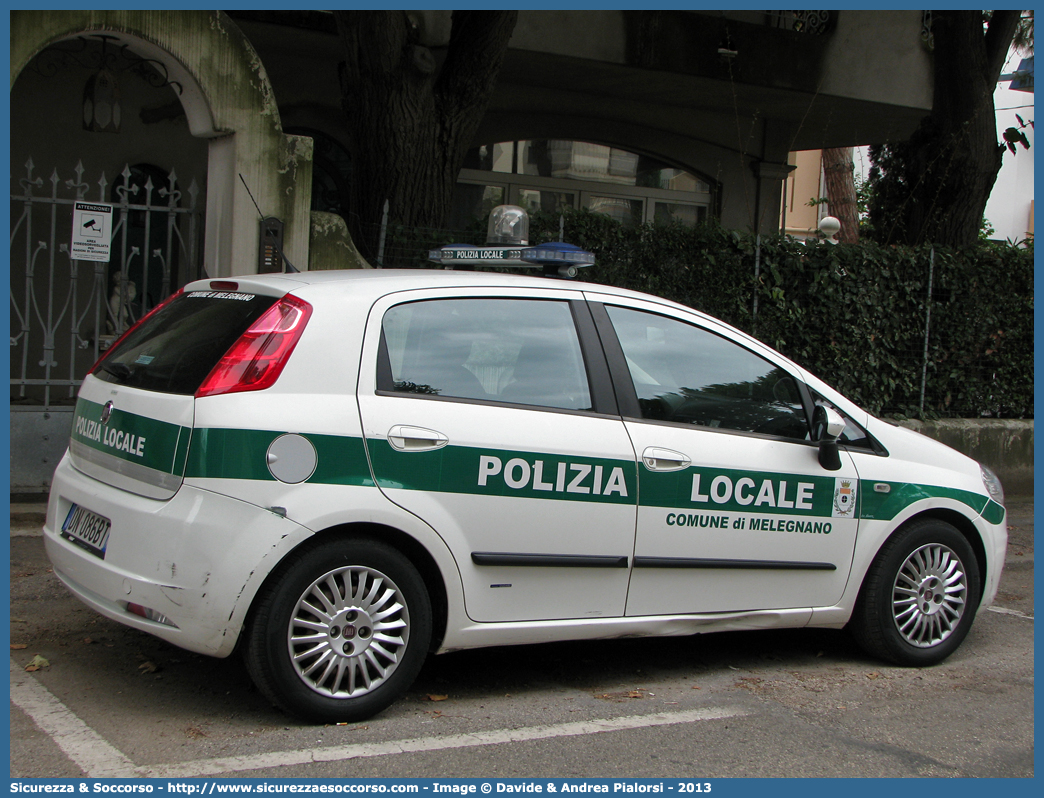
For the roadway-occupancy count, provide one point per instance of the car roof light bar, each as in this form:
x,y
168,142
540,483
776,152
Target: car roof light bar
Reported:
x,y
555,258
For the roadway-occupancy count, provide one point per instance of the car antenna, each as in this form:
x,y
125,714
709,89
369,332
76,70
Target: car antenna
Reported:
x,y
289,266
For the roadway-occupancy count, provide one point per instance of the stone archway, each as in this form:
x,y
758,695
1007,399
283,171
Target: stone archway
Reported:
x,y
227,100
229,120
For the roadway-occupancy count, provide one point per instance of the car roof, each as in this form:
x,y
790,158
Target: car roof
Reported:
x,y
378,282
369,284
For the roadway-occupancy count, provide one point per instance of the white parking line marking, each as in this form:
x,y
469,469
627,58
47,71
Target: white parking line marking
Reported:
x,y
26,532
213,767
1006,611
84,746
99,759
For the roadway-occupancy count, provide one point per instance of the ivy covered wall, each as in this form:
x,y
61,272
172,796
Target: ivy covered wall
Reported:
x,y
855,315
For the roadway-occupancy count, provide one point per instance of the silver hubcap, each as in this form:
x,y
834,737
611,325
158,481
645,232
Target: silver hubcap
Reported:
x,y
929,595
349,632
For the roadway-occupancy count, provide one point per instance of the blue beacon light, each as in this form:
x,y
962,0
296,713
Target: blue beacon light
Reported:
x,y
506,245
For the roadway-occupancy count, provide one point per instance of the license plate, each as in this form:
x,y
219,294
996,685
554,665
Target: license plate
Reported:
x,y
87,530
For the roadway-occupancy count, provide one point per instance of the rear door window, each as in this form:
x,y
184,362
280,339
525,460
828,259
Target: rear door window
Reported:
x,y
175,348
518,351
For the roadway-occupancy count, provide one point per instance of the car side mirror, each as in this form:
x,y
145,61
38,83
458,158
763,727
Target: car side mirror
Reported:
x,y
827,426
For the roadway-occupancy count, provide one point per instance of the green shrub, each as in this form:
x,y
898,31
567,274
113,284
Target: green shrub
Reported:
x,y
853,314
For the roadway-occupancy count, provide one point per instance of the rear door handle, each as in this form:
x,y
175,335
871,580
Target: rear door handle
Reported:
x,y
657,459
415,439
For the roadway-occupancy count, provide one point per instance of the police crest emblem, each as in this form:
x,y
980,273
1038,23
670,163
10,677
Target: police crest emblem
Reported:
x,y
844,498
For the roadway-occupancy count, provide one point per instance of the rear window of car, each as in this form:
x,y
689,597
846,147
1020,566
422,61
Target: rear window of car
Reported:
x,y
175,349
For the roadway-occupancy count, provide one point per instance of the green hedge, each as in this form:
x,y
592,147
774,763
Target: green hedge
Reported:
x,y
855,315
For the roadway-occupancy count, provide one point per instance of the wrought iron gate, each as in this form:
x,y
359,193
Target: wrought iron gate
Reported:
x,y
66,312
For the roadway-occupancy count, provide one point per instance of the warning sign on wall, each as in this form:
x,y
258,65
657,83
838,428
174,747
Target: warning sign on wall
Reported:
x,y
92,231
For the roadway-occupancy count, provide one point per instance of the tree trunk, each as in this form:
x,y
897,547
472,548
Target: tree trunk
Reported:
x,y
839,172
955,155
410,120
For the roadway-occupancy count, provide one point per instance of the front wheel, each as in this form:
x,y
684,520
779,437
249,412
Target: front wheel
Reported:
x,y
340,632
920,595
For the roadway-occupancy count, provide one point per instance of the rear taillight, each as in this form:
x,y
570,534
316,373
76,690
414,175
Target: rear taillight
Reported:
x,y
115,344
256,360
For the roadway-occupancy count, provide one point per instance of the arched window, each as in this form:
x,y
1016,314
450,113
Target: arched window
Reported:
x,y
552,174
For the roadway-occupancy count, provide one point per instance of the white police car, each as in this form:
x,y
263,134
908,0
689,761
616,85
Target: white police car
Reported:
x,y
340,472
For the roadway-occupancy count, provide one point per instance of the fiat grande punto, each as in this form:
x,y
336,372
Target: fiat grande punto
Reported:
x,y
338,473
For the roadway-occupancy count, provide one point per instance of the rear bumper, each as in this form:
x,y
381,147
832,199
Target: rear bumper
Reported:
x,y
197,559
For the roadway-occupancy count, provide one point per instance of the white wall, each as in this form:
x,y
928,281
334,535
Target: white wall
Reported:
x,y
1009,207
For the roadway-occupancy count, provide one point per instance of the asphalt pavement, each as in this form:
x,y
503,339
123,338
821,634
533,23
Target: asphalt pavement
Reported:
x,y
111,701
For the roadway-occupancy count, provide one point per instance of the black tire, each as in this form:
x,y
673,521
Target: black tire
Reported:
x,y
370,628
901,615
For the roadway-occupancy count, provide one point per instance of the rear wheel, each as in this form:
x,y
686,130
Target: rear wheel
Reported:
x,y
920,595
340,632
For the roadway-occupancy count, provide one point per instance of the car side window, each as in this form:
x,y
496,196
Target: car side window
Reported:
x,y
685,374
519,351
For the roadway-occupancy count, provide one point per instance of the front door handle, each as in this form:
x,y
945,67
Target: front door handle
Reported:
x,y
657,459
415,439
